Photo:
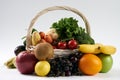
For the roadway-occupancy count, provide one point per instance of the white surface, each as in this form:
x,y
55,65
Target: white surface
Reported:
x,y
13,74
15,17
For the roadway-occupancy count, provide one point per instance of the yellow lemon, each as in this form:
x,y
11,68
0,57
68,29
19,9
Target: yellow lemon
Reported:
x,y
42,68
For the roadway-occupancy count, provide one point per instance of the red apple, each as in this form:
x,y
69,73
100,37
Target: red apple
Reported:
x,y
25,62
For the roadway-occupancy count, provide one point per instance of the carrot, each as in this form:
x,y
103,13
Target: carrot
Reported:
x,y
48,39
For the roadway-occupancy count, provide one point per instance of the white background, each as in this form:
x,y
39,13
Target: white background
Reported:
x,y
15,17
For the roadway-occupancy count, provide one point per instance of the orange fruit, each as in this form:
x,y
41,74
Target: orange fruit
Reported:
x,y
90,64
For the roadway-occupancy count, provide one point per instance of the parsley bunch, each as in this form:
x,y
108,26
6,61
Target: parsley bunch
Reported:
x,y
68,28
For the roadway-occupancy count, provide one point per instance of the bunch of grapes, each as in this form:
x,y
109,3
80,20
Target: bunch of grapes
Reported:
x,y
65,66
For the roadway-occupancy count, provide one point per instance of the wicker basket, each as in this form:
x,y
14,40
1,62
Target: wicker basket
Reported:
x,y
56,51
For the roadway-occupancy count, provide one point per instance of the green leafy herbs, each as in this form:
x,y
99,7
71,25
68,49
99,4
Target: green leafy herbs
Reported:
x,y
68,28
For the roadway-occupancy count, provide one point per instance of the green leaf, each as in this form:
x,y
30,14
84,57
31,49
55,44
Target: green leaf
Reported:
x,y
68,28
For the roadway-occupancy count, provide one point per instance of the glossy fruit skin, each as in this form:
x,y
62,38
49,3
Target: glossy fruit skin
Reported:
x,y
90,64
42,68
108,49
62,45
18,49
25,62
107,62
65,65
72,44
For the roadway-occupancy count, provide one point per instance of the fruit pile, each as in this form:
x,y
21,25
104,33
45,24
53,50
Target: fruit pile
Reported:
x,y
85,57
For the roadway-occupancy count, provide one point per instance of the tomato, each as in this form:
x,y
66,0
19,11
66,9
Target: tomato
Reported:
x,y
62,45
72,44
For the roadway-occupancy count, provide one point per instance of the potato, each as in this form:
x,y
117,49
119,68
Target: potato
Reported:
x,y
52,32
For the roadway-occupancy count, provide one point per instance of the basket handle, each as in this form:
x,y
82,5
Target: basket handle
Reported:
x,y
28,37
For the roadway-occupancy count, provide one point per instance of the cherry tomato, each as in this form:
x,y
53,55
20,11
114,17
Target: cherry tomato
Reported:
x,y
72,44
62,45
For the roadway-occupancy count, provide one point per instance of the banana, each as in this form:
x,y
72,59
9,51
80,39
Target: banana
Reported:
x,y
35,38
90,48
97,48
108,49
10,63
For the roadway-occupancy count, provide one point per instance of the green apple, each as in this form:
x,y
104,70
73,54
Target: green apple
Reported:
x,y
107,62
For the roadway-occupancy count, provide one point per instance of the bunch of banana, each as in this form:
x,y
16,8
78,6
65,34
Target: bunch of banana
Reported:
x,y
97,48
35,38
11,63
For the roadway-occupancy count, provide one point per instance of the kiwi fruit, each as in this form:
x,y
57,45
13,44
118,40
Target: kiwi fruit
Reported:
x,y
43,51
